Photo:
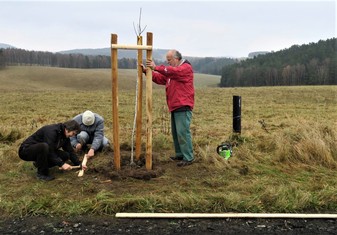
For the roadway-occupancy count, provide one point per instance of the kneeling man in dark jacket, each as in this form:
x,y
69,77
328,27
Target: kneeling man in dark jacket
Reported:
x,y
44,148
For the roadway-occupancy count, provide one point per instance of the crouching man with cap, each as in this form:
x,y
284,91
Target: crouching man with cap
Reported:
x,y
92,132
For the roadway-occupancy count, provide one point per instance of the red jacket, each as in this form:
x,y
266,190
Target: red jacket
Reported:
x,y
179,84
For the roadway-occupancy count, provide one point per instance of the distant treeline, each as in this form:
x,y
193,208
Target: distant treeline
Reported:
x,y
210,65
312,64
14,56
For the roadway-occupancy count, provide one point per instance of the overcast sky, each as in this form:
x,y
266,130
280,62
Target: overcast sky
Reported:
x,y
196,28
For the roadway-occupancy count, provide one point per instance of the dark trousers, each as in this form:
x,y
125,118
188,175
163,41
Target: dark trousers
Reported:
x,y
39,153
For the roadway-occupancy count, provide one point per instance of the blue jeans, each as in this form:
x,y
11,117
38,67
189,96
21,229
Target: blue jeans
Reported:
x,y
83,137
181,133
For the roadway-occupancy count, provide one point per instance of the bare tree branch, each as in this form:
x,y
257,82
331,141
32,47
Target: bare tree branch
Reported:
x,y
139,29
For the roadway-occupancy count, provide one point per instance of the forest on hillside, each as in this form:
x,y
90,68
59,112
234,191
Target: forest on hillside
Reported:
x,y
17,57
309,64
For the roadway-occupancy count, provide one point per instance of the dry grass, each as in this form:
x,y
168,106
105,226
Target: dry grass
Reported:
x,y
285,160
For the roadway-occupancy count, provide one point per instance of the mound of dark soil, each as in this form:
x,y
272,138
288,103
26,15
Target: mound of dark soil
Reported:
x,y
135,169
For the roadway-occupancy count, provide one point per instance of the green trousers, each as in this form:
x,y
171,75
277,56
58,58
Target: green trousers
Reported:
x,y
181,133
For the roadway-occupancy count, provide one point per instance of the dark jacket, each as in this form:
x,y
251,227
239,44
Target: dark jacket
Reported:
x,y
54,136
179,84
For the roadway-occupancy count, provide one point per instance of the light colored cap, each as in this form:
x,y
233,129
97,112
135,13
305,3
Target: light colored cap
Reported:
x,y
88,118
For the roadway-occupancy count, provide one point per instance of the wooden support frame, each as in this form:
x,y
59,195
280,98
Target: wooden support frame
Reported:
x,y
115,119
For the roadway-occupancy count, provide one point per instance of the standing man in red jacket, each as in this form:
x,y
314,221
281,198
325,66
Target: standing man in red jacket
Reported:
x,y
178,80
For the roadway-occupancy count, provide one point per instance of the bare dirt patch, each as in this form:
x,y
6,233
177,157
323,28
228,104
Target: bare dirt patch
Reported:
x,y
111,225
135,169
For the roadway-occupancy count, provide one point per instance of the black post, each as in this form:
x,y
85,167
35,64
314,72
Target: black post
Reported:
x,y
237,114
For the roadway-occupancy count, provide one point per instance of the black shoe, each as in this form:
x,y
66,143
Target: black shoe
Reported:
x,y
44,177
184,163
176,158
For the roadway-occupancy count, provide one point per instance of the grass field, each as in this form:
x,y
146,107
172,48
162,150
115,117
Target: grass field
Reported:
x,y
285,159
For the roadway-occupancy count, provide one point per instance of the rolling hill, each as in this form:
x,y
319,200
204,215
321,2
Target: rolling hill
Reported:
x,y
37,78
158,54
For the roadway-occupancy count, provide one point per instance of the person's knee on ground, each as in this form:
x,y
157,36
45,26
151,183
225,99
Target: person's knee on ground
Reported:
x,y
105,145
105,142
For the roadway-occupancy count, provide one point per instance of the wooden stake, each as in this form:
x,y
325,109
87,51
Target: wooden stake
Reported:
x,y
114,67
84,163
148,160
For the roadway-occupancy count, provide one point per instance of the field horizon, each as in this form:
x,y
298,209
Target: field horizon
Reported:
x,y
35,78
